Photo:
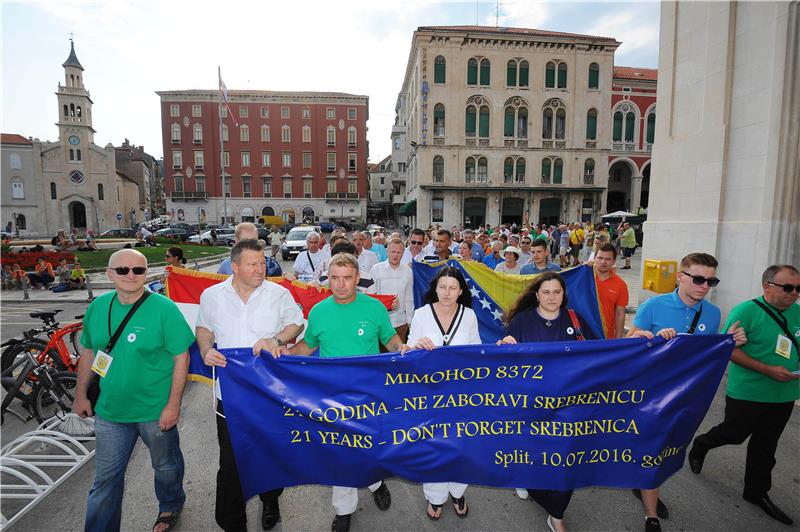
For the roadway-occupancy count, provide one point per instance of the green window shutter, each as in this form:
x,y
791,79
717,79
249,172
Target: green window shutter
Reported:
x,y
523,74
594,76
562,75
629,124
511,74
508,169
617,134
438,111
545,170
470,123
558,165
591,126
521,169
485,72
550,76
651,127
472,72
484,122
508,123
439,70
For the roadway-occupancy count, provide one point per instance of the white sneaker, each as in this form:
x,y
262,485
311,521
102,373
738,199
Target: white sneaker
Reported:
x,y
522,493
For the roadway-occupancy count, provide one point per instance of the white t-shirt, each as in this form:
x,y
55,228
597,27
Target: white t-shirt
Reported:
x,y
307,264
366,260
399,282
269,309
424,325
503,267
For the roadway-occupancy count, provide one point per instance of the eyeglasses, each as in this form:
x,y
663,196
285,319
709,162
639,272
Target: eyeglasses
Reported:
x,y
123,270
786,287
699,279
526,241
416,242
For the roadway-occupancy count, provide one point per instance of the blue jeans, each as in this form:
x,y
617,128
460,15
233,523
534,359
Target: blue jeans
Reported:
x,y
114,445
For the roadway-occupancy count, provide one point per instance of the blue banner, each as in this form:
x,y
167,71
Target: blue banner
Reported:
x,y
557,415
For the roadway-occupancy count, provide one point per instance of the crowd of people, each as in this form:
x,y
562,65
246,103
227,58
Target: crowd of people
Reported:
x,y
247,310
63,277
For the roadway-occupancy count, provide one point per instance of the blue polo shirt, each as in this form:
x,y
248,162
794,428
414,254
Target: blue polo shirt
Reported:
x,y
380,251
477,252
491,261
531,269
667,311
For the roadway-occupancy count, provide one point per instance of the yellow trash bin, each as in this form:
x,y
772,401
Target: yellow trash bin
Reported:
x,y
659,276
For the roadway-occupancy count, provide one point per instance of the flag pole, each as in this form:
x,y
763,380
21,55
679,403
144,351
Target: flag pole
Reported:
x,y
222,149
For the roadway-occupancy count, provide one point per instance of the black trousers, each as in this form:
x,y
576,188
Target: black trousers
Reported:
x,y
555,502
764,423
229,511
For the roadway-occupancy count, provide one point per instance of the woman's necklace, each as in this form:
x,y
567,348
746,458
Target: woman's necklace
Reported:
x,y
548,321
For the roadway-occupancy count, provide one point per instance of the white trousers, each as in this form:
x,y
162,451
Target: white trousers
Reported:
x,y
436,492
345,500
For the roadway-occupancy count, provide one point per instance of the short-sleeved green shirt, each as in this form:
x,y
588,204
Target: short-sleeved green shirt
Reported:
x,y
762,338
351,329
139,379
628,239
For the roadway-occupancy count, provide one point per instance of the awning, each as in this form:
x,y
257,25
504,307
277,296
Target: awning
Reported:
x,y
409,208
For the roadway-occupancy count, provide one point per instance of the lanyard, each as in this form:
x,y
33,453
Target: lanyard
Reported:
x,y
780,319
113,338
695,320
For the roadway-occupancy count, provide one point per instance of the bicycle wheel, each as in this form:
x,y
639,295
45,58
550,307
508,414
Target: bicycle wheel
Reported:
x,y
34,347
54,399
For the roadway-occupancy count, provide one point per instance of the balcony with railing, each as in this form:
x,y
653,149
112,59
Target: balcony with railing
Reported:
x,y
188,196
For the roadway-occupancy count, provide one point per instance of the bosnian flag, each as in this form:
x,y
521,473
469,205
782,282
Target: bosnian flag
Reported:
x,y
184,287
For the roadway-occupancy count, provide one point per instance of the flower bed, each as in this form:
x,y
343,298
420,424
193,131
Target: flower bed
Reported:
x,y
28,260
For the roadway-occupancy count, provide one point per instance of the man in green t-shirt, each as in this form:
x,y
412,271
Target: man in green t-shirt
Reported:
x,y
762,384
141,385
628,244
347,324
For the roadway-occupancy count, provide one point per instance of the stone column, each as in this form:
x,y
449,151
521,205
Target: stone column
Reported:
x,y
636,193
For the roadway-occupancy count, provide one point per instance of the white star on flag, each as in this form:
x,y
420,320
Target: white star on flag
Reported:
x,y
485,304
497,315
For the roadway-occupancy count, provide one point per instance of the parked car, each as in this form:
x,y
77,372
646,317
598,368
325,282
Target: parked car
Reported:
x,y
295,241
177,233
118,233
205,237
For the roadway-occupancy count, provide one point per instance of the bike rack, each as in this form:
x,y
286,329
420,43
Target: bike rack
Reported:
x,y
36,461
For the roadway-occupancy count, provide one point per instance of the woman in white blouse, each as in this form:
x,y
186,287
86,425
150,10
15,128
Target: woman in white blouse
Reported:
x,y
445,319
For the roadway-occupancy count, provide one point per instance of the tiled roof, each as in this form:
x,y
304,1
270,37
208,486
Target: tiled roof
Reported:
x,y
72,60
645,74
13,138
514,31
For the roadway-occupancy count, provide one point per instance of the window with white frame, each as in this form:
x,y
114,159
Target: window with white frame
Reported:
x,y
15,161
17,190
286,134
286,158
200,183
264,133
199,159
306,159
226,159
352,162
287,187
243,111
332,186
176,133
307,187
247,190
351,113
245,158
331,158
352,186
225,132
266,159
244,133
227,186
330,113
174,110
178,183
196,110
331,136
306,113
177,159
267,182
198,133
306,134
352,137
264,111
284,112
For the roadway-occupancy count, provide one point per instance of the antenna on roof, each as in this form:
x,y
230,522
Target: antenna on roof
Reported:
x,y
477,4
497,14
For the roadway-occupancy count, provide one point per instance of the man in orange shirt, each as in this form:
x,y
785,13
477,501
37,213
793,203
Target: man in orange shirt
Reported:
x,y
611,291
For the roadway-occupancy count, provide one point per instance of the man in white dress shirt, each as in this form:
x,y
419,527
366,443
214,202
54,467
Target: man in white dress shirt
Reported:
x,y
308,263
242,311
366,258
414,251
391,277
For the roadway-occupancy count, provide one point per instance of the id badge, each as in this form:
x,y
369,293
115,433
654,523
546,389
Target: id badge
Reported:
x,y
102,361
783,346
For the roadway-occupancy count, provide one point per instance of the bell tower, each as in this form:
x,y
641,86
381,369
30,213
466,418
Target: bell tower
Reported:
x,y
74,107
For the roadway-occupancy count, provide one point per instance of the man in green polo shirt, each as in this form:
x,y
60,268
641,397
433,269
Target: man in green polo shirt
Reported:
x,y
348,323
142,377
762,384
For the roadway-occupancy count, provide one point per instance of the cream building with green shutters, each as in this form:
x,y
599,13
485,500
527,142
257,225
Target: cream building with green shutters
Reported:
x,y
505,125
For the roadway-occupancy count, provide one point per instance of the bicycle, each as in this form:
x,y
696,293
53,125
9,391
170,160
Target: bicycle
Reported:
x,y
45,391
55,351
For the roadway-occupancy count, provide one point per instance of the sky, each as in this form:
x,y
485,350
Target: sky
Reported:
x,y
131,49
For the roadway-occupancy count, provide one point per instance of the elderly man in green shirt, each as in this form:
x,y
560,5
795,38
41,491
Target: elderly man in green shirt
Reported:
x,y
348,323
628,244
762,384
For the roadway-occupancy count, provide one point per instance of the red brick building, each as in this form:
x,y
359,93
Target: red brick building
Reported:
x,y
633,119
299,155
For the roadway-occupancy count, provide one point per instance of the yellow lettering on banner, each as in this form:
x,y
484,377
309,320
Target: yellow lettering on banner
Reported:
x,y
419,402
609,397
357,441
569,429
470,429
424,432
454,374
461,400
345,412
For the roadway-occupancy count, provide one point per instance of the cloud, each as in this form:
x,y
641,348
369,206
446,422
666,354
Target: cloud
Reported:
x,y
637,33
520,14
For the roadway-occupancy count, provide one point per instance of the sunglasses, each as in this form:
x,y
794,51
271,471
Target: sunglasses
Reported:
x,y
699,280
416,242
786,287
123,270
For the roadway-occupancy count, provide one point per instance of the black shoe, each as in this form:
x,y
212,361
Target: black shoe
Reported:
x,y
661,509
270,515
341,523
696,459
766,504
383,499
652,524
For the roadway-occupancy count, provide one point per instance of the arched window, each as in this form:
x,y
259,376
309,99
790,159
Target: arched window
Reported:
x,y
562,75
71,154
78,111
547,166
594,76
472,71
438,120
53,194
485,72
470,127
547,123
508,170
624,124
176,133
78,154
469,170
72,109
561,123
483,122
483,170
651,127
515,120
508,122
511,73
517,73
100,192
438,169
558,168
439,69
244,133
550,75
22,224
616,134
588,172
554,120
66,110
267,211
519,174
630,121
523,73
552,170
591,124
